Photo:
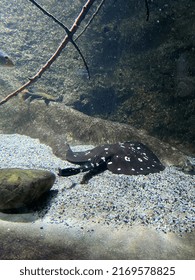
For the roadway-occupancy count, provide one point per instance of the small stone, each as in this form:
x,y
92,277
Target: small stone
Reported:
x,y
20,187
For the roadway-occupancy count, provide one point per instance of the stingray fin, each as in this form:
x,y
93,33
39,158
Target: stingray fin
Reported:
x,y
77,157
134,159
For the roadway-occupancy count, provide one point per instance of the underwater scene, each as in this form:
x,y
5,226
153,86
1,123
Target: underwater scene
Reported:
x,y
97,129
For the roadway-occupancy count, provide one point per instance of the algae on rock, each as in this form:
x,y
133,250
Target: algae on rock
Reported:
x,y
21,187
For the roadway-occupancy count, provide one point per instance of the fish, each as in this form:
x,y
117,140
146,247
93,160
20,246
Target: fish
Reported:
x,y
47,98
128,158
5,60
188,167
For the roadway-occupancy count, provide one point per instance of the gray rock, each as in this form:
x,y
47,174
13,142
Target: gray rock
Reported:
x,y
21,187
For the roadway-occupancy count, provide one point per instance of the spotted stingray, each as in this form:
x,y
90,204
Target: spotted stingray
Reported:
x,y
130,158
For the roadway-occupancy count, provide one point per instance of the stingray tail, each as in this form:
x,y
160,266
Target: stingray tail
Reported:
x,y
68,171
73,171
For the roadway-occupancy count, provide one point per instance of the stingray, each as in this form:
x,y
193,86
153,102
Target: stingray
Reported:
x,y
129,158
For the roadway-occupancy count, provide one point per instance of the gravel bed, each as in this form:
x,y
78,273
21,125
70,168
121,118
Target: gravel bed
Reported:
x,y
164,200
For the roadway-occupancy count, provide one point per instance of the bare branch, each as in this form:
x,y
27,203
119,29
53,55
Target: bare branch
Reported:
x,y
91,19
63,44
67,32
147,10
51,16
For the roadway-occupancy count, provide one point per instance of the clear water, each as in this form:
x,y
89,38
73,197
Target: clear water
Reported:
x,y
142,72
142,75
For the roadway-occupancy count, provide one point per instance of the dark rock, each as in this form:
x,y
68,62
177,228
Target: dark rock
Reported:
x,y
20,187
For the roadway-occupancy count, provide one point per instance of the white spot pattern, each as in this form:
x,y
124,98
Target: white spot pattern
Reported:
x,y
127,158
134,158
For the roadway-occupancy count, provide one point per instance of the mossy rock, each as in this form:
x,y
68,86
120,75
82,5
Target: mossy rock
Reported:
x,y
21,187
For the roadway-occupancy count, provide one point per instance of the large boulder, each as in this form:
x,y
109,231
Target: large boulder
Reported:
x,y
21,187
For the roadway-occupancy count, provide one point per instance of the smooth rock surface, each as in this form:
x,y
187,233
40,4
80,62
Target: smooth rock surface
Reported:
x,y
40,241
20,187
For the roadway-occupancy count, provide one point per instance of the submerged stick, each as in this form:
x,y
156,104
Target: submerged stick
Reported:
x,y
147,10
67,32
63,44
91,19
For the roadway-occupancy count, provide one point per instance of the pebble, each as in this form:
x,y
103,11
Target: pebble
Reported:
x,y
165,200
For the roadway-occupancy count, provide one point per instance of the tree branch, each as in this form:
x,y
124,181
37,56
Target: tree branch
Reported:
x,y
63,44
67,32
147,10
91,19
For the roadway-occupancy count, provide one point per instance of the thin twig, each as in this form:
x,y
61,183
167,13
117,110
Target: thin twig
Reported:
x,y
51,16
91,19
67,32
63,44
147,10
